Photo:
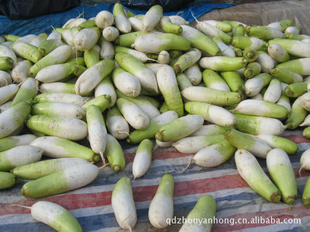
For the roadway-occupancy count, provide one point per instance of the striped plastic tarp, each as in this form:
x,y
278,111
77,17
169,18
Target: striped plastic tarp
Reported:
x,y
239,208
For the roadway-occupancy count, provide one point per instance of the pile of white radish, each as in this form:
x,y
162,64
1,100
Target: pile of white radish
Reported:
x,y
219,90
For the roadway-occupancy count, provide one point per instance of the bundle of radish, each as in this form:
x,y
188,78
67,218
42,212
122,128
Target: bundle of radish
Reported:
x,y
217,91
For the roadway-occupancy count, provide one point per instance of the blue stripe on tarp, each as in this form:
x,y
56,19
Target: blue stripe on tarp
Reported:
x,y
46,23
108,220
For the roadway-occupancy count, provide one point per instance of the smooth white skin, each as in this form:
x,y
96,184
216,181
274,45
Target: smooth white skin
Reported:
x,y
210,62
291,30
67,36
300,49
23,154
190,144
24,139
163,57
80,175
220,85
107,50
149,109
284,103
7,92
305,160
277,156
110,33
51,73
139,55
277,52
160,209
128,84
59,55
5,78
85,39
97,135
209,156
273,91
178,20
122,23
54,35
104,19
260,148
306,121
77,22
208,29
37,41
164,144
151,19
124,209
65,97
69,128
147,79
141,163
67,110
226,50
220,116
136,23
270,126
252,106
20,71
8,121
258,96
6,51
248,166
134,115
194,74
118,127
275,25
50,147
105,88
305,101
88,80
253,86
67,24
142,43
256,43
266,62
56,87
46,212
154,67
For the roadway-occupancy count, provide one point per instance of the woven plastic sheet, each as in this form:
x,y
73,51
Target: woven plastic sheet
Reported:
x,y
46,23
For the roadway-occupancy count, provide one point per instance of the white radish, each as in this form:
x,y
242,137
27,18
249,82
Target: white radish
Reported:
x,y
126,83
123,204
193,144
18,156
104,19
97,131
133,114
251,171
60,97
55,216
110,33
161,208
20,71
5,78
8,92
117,125
143,158
273,91
152,18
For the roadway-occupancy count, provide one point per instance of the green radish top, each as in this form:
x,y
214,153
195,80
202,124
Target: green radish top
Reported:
x,y
123,185
204,208
166,185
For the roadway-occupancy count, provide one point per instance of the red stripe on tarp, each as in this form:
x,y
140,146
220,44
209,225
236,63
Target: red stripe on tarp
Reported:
x,y
141,193
299,138
159,155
